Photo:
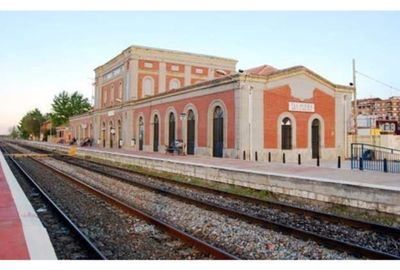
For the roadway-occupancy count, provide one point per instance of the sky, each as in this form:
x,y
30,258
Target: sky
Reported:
x,y
44,53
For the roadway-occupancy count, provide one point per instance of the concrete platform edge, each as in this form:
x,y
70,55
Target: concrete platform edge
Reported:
x,y
36,236
326,190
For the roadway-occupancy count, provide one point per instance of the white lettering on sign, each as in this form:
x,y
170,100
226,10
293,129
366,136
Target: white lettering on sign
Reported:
x,y
148,65
301,107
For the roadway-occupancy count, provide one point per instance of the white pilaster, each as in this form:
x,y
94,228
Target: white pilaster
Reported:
x,y
162,77
188,71
134,79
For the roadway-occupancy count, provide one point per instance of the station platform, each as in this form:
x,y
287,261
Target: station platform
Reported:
x,y
22,235
362,189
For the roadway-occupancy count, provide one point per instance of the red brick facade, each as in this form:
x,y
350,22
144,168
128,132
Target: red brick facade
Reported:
x,y
276,102
201,104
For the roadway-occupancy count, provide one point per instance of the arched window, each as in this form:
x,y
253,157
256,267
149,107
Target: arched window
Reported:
x,y
148,86
286,130
105,96
218,132
112,96
174,84
171,130
120,91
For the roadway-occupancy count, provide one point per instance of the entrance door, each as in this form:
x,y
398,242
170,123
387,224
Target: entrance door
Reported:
x,y
171,130
155,132
103,135
315,138
190,133
119,134
141,133
112,133
218,132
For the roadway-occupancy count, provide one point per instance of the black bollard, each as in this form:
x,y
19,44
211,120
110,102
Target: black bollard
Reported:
x,y
299,159
338,162
361,164
269,156
318,161
256,156
385,165
244,155
283,158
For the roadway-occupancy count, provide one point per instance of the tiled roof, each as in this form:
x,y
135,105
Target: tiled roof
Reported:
x,y
261,70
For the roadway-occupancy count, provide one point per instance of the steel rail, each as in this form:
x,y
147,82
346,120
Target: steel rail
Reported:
x,y
189,239
278,205
96,253
329,242
303,234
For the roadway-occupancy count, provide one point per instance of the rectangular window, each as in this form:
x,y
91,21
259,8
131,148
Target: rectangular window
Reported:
x,y
105,97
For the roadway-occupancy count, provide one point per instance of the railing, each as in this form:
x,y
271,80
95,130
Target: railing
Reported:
x,y
375,158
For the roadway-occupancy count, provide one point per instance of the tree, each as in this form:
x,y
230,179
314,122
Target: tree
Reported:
x,y
30,124
13,132
65,105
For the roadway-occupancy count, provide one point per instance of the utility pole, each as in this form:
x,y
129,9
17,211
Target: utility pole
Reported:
x,y
355,100
250,121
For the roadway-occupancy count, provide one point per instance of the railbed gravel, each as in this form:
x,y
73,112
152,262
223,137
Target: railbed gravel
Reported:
x,y
366,238
245,240
66,244
117,234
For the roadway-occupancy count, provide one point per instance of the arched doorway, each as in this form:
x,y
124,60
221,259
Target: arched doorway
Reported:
x,y
103,134
315,138
141,133
112,134
286,133
155,133
190,132
171,129
218,132
119,134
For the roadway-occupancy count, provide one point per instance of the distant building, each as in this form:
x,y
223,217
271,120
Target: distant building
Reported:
x,y
45,130
382,109
376,113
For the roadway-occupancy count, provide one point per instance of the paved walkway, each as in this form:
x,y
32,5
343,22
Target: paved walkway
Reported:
x,y
326,173
22,236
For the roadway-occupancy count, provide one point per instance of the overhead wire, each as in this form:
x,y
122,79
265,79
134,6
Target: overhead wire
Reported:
x,y
378,81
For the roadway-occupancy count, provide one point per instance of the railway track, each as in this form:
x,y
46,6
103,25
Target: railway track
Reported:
x,y
92,250
299,233
171,230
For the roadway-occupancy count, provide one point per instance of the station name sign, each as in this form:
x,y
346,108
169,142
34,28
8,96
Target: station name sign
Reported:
x,y
301,107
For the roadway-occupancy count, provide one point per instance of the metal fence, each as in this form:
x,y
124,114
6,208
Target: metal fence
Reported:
x,y
376,158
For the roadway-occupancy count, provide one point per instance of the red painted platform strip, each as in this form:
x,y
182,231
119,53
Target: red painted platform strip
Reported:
x,y
12,239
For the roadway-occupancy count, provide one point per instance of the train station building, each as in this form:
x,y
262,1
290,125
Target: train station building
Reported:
x,y
147,98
